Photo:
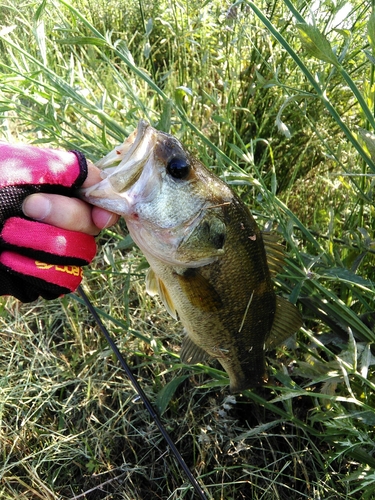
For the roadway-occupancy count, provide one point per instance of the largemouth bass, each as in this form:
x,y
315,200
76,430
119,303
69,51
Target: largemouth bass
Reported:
x,y
209,262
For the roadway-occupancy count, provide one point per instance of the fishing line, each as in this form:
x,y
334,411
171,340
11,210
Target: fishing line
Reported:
x,y
143,396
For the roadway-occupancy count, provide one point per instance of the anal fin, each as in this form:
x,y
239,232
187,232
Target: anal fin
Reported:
x,y
191,353
287,321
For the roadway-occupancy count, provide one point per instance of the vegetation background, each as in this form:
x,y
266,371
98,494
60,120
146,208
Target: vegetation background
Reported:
x,y
277,97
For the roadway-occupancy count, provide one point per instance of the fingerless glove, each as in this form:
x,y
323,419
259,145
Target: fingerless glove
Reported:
x,y
37,259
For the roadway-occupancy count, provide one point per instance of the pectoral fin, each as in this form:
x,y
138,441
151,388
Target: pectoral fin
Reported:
x,y
191,353
287,321
151,282
200,292
154,286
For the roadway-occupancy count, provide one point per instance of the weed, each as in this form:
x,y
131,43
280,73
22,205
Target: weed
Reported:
x,y
278,101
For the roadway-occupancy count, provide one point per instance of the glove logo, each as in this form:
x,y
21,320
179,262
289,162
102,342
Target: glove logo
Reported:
x,y
73,270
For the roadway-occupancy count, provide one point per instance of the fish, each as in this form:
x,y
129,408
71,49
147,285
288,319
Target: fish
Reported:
x,y
209,262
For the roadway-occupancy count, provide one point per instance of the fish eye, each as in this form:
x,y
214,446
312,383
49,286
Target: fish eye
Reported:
x,y
178,167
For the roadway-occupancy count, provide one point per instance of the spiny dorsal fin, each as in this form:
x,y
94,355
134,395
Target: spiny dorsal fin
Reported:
x,y
274,251
287,321
154,286
191,353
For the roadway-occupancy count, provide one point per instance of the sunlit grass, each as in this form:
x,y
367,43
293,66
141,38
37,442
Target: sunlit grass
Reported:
x,y
276,118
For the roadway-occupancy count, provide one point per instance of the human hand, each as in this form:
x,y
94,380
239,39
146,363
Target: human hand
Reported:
x,y
44,257
70,213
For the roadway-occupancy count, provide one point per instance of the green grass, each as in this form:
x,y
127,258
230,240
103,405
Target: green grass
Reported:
x,y
273,106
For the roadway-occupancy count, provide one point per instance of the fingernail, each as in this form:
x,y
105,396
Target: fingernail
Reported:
x,y
37,206
110,221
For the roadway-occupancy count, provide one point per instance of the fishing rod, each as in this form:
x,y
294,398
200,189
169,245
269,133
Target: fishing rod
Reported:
x,y
143,396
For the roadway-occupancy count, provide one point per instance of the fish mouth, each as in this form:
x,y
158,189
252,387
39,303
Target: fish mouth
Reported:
x,y
122,167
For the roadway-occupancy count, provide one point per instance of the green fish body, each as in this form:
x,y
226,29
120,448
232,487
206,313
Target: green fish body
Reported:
x,y
209,262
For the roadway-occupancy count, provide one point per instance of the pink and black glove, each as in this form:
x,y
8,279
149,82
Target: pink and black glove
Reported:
x,y
37,259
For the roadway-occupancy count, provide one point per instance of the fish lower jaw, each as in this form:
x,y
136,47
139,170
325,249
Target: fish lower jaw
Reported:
x,y
112,205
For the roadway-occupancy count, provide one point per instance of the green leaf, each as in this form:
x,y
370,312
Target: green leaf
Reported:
x,y
238,151
371,31
149,27
316,44
369,56
345,275
180,93
219,119
369,139
367,416
164,124
183,90
125,243
166,394
39,11
83,40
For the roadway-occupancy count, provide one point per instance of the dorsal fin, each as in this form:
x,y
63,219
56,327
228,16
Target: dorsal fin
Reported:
x,y
287,321
274,251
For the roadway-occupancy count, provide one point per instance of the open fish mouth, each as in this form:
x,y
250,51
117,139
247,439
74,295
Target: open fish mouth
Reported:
x,y
122,168
126,150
